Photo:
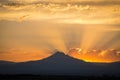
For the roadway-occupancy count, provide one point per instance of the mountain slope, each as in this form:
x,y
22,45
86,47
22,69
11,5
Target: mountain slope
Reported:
x,y
59,64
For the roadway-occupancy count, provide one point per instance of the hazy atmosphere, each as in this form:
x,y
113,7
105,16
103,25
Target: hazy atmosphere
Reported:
x,y
88,30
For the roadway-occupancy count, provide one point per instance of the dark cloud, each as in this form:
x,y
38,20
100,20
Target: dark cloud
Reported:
x,y
23,17
46,2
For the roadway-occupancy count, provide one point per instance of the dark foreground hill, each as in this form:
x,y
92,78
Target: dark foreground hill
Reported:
x,y
60,64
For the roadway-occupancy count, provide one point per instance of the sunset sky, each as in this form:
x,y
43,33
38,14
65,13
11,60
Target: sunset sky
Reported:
x,y
35,29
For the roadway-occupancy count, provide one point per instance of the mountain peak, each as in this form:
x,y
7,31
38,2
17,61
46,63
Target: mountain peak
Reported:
x,y
62,58
59,54
59,64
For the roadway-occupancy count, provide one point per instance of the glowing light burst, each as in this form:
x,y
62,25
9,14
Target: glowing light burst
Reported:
x,y
96,37
56,41
98,45
58,25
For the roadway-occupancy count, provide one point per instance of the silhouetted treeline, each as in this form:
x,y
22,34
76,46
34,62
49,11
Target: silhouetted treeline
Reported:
x,y
52,77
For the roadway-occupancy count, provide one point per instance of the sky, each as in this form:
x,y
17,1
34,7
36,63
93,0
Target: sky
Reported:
x,y
35,29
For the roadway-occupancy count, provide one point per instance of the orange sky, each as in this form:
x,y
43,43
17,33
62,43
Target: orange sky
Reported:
x,y
103,56
22,55
35,29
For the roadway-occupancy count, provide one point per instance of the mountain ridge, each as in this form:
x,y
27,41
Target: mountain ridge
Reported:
x,y
58,54
60,64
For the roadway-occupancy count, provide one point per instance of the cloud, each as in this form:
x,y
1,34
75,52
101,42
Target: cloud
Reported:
x,y
24,1
83,12
23,17
62,12
103,56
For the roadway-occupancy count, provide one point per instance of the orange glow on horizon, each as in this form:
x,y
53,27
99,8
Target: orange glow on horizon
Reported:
x,y
23,56
58,25
98,56
107,56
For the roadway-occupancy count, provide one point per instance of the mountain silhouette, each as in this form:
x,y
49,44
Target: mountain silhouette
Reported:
x,y
60,64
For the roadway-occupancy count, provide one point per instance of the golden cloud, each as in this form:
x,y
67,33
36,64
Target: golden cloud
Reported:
x,y
102,56
83,12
